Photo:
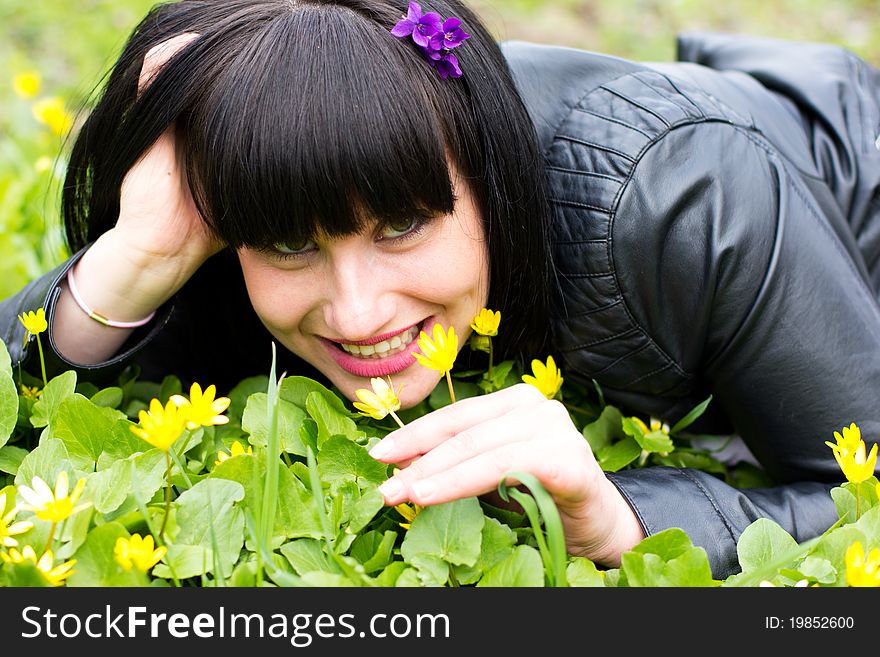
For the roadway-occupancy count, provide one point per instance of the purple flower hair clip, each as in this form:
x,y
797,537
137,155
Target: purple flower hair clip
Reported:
x,y
434,37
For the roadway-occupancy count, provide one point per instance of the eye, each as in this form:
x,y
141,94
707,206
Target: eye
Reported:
x,y
400,227
293,249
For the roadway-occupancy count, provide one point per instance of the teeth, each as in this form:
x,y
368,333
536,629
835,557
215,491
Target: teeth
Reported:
x,y
383,349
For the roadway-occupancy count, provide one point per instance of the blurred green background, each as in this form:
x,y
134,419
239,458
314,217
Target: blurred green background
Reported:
x,y
53,53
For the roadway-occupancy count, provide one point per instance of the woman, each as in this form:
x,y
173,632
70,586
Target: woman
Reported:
x,y
319,174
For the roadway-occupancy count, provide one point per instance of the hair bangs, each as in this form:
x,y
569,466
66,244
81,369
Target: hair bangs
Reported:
x,y
305,136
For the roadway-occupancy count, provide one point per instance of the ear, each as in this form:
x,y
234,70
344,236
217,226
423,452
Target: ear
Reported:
x,y
161,54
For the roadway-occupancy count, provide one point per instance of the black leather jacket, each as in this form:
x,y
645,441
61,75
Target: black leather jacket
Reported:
x,y
716,230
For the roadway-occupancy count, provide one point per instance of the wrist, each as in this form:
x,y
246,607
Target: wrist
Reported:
x,y
625,530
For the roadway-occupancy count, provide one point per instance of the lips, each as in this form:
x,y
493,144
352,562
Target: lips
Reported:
x,y
364,360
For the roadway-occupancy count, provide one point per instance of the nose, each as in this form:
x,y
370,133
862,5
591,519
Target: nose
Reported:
x,y
359,301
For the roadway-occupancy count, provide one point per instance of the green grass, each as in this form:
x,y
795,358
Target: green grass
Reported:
x,y
71,43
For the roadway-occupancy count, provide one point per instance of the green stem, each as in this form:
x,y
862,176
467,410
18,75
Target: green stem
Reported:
x,y
167,494
51,536
491,354
858,502
42,361
449,381
396,419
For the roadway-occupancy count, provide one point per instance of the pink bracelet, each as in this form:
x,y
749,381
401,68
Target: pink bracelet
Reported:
x,y
98,317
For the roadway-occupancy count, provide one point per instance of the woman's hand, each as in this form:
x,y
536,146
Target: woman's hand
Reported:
x,y
159,226
157,243
467,448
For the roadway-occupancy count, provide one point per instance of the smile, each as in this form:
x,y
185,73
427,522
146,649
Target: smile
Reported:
x,y
380,356
397,344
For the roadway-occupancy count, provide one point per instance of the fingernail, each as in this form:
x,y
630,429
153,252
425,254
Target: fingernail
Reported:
x,y
391,489
382,448
423,490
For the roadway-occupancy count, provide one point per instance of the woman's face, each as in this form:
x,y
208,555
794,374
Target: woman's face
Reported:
x,y
353,306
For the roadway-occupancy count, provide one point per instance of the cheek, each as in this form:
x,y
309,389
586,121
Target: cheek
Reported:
x,y
279,301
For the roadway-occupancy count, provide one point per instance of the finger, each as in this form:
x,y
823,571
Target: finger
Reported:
x,y
161,54
428,431
563,469
516,425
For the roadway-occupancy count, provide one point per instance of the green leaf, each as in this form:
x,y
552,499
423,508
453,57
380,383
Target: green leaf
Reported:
x,y
108,397
295,516
689,569
604,430
45,461
25,574
86,429
239,395
330,421
449,533
96,564
290,418
11,458
109,488
496,545
582,572
368,504
8,396
761,543
297,389
818,570
691,417
521,568
210,502
307,555
374,549
614,457
58,389
341,459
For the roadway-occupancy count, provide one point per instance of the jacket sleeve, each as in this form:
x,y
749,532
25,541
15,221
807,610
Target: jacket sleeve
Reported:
x,y
43,292
728,265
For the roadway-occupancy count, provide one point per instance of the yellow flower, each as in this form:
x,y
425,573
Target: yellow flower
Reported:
x,y
161,426
201,409
378,402
438,354
859,570
656,425
486,323
34,322
8,529
138,552
409,513
26,84
50,506
55,576
547,378
237,449
51,113
30,393
854,464
849,441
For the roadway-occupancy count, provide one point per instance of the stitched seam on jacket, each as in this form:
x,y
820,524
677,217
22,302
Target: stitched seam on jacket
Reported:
x,y
611,120
623,357
601,274
639,105
591,144
671,99
703,490
593,311
578,204
651,373
600,340
577,172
